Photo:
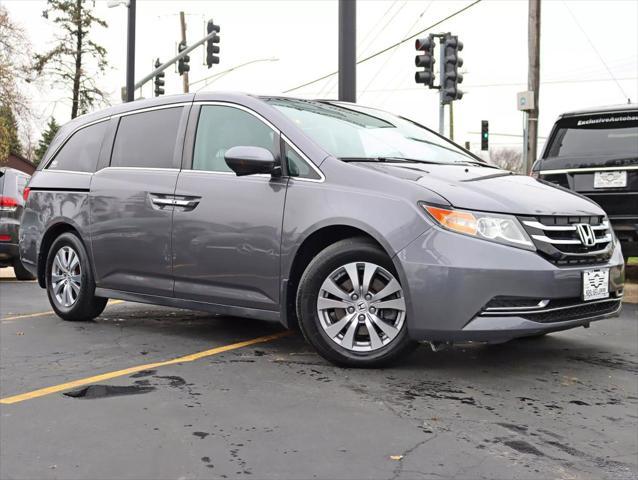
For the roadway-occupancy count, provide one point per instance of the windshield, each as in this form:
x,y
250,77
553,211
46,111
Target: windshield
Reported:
x,y
613,135
354,132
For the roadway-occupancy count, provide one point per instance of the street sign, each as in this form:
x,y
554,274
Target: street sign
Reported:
x,y
525,100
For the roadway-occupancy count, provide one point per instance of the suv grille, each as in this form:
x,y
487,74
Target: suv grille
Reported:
x,y
571,240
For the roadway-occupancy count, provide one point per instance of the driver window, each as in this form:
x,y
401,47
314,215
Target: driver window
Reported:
x,y
220,128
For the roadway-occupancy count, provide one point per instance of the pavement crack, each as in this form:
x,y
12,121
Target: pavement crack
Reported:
x,y
398,470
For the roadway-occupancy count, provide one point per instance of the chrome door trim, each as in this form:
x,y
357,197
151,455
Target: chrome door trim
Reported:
x,y
153,169
150,109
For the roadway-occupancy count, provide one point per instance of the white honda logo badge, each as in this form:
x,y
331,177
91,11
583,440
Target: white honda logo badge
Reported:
x,y
586,234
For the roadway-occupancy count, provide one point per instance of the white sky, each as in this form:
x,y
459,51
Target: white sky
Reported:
x,y
302,34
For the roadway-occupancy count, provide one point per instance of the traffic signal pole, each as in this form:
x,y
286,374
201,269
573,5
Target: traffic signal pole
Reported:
x,y
441,77
181,54
182,22
347,50
130,53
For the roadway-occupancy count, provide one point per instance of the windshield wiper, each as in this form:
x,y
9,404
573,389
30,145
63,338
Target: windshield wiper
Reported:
x,y
385,160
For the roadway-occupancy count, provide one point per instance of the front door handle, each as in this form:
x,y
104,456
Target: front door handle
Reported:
x,y
163,202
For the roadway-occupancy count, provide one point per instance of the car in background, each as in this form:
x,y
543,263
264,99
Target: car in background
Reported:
x,y
12,185
595,153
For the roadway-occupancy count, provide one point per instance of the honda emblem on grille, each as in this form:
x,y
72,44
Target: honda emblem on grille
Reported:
x,y
586,234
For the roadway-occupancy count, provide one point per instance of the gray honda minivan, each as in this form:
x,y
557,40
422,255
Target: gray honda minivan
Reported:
x,y
367,230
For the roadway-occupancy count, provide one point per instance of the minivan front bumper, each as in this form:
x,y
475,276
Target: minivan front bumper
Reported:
x,y
451,280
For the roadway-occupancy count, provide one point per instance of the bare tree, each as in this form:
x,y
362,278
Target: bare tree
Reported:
x,y
15,56
507,158
75,60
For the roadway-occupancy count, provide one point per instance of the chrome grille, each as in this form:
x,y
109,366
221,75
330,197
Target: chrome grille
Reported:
x,y
571,240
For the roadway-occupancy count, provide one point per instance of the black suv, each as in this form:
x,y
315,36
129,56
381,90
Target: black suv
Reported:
x,y
595,153
12,185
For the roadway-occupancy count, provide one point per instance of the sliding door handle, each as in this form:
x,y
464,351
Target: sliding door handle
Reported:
x,y
185,203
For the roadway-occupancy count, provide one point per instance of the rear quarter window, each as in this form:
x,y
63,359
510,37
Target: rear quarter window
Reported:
x,y
607,134
81,151
147,139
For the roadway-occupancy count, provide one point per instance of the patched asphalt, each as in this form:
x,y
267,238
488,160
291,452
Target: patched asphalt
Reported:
x,y
563,406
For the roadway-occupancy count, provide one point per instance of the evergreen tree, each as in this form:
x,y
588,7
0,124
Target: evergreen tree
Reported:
x,y
45,141
75,60
9,142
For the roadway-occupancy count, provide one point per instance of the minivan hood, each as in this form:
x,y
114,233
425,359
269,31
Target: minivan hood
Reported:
x,y
490,190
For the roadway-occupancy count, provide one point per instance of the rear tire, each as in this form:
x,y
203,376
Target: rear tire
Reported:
x,y
21,272
349,323
69,280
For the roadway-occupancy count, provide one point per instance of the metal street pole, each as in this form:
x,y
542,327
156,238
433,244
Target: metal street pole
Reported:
x,y
348,50
451,137
442,83
182,22
533,81
130,53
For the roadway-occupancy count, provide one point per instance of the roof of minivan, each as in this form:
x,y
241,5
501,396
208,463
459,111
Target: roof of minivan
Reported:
x,y
626,107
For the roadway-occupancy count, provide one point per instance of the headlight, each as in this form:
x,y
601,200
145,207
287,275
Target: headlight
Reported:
x,y
494,227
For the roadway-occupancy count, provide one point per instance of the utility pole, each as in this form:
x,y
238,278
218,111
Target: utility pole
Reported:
x,y
533,81
182,22
347,50
130,53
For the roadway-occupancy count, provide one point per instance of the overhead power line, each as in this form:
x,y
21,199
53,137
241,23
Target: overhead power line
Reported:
x,y
389,47
591,44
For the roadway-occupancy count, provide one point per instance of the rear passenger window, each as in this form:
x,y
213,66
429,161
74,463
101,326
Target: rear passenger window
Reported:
x,y
80,153
147,139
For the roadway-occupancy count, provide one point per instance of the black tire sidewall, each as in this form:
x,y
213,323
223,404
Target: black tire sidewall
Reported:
x,y
334,256
87,305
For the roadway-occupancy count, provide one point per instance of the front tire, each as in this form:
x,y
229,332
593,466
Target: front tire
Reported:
x,y
69,280
351,306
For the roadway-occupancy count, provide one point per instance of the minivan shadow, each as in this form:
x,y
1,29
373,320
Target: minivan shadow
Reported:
x,y
558,349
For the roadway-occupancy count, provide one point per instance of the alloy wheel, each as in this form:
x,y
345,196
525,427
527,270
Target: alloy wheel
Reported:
x,y
66,276
361,307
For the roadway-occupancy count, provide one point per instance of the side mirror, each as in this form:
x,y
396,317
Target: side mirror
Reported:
x,y
249,160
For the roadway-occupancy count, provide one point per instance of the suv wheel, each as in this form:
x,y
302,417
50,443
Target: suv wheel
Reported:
x,y
351,306
69,279
21,272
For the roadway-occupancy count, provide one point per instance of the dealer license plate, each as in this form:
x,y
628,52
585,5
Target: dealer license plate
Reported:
x,y
610,179
595,284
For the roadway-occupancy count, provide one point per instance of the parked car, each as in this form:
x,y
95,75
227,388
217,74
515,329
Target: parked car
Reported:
x,y
595,152
367,230
12,184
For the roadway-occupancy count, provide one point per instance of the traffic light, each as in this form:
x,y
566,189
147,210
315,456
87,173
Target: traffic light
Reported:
x,y
425,60
451,76
182,64
485,135
211,48
159,80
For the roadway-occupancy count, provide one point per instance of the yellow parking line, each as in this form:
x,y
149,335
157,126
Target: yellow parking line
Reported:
x,y
119,373
40,314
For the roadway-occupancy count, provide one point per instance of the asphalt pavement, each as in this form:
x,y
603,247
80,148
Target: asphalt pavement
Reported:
x,y
152,393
